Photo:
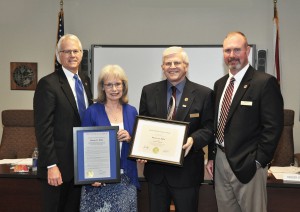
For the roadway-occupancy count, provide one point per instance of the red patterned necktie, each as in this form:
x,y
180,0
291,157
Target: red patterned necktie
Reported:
x,y
224,110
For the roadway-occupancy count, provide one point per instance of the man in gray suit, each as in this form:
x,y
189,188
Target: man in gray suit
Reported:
x,y
193,104
247,136
55,115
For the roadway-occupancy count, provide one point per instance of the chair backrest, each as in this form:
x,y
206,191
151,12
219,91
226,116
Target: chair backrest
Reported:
x,y
18,138
284,154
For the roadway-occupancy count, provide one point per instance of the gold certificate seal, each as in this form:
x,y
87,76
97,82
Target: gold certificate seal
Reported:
x,y
155,150
90,173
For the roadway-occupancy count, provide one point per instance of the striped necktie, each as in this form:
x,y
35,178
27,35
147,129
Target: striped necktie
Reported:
x,y
224,110
172,105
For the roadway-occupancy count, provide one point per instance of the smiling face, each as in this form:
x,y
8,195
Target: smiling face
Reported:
x,y
236,51
70,54
113,88
174,68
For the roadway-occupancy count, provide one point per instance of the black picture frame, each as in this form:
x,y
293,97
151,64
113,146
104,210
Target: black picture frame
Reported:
x,y
159,140
87,141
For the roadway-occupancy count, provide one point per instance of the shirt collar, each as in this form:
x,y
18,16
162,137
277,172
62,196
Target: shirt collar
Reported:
x,y
68,73
239,76
179,86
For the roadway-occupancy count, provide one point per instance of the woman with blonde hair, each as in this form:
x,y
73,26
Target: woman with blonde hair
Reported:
x,y
112,109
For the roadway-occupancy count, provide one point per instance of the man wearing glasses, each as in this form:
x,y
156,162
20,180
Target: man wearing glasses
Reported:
x,y
60,100
177,98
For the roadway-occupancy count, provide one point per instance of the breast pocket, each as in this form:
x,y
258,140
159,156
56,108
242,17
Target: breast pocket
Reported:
x,y
247,112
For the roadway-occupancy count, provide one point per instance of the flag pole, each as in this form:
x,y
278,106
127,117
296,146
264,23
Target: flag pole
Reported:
x,y
60,31
276,43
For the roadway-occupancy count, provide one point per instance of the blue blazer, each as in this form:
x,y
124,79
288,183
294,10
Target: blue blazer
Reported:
x,y
95,115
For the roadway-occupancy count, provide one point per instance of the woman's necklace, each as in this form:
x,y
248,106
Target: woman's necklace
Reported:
x,y
114,118
114,114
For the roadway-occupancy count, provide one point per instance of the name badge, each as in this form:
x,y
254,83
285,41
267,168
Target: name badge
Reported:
x,y
246,103
194,115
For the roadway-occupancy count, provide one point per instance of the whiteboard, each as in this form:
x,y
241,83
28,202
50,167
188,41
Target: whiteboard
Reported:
x,y
142,65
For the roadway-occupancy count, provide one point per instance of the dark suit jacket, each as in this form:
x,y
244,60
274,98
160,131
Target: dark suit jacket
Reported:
x,y
254,122
55,115
198,100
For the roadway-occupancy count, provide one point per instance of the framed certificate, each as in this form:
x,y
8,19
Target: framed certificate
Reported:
x,y
159,140
96,155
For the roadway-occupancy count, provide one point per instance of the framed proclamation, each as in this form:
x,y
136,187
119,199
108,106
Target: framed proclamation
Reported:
x,y
96,155
159,140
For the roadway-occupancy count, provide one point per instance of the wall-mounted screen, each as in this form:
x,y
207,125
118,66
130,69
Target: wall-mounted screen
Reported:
x,y
142,64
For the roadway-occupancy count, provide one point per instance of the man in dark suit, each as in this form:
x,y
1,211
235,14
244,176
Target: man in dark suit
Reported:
x,y
246,138
55,115
194,104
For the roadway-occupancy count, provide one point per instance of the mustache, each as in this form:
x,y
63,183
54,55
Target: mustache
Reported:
x,y
233,59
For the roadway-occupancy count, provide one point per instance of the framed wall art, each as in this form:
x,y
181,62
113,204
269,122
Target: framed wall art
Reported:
x,y
23,76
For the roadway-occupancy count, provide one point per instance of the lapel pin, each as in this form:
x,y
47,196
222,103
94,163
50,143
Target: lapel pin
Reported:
x,y
245,86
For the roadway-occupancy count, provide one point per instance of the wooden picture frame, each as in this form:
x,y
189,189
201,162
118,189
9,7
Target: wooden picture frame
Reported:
x,y
23,76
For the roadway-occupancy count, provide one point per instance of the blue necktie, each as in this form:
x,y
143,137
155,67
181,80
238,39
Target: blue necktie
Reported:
x,y
80,96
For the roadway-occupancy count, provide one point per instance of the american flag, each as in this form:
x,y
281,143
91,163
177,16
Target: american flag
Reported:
x,y
60,33
276,43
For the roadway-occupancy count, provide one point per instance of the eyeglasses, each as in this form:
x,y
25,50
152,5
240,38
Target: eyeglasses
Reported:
x,y
176,63
236,51
69,52
111,85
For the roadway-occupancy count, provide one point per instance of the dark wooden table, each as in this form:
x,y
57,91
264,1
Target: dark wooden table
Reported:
x,y
282,197
19,191
22,192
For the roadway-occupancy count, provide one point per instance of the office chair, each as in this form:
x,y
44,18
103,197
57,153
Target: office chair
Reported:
x,y
18,138
284,154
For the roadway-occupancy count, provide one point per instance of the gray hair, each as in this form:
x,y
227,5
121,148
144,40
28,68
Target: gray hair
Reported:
x,y
67,36
176,50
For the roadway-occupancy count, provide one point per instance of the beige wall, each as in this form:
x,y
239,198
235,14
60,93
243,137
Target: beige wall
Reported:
x,y
28,33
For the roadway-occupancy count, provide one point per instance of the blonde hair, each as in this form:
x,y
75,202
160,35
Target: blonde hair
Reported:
x,y
112,71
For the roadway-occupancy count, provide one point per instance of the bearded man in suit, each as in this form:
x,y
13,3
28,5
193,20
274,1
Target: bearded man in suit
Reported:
x,y
247,136
55,115
194,104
